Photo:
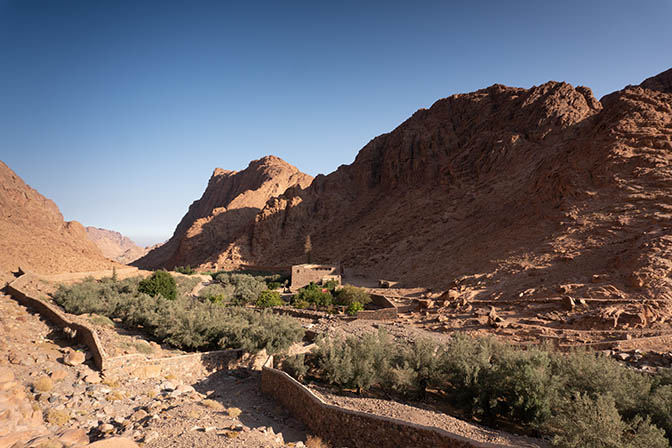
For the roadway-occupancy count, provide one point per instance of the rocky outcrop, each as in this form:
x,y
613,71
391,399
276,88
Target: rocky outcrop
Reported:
x,y
504,189
661,82
34,235
114,245
216,228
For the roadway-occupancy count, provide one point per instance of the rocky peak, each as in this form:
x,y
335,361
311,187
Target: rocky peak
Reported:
x,y
225,210
661,82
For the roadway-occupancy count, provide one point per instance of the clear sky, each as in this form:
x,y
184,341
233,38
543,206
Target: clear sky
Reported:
x,y
120,110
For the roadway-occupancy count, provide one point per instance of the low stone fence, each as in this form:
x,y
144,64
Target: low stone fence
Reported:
x,y
83,334
137,365
386,309
345,427
140,366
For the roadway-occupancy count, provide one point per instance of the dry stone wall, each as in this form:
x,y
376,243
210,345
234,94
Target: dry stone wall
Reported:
x,y
82,333
136,364
345,427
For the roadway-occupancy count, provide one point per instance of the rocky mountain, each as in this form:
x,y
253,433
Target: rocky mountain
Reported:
x,y
114,245
505,189
505,192
213,232
34,236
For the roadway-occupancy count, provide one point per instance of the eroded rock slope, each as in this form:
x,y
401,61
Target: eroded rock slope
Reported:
x,y
216,227
34,235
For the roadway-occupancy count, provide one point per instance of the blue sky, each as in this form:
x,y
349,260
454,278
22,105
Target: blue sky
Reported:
x,y
120,110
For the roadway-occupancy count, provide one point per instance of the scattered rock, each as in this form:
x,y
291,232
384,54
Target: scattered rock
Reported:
x,y
139,415
167,385
569,303
73,437
105,428
151,371
58,375
150,437
114,442
92,378
74,358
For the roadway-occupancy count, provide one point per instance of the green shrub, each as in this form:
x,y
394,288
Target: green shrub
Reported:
x,y
296,366
254,331
273,285
417,366
246,288
354,308
330,285
160,282
354,362
186,284
269,298
299,303
187,270
314,294
350,294
596,423
186,323
216,292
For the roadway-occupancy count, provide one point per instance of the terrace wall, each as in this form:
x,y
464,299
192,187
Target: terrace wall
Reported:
x,y
345,427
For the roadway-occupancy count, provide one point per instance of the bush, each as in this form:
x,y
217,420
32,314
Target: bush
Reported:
x,y
246,288
185,323
355,363
160,282
187,270
269,298
314,294
299,303
186,284
216,292
354,308
273,285
596,423
296,366
330,285
581,398
350,294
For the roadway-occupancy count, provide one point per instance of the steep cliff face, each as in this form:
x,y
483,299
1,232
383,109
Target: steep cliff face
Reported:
x,y
34,236
206,236
440,184
505,188
115,246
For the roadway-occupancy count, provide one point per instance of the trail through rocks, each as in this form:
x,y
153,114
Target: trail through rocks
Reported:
x,y
42,398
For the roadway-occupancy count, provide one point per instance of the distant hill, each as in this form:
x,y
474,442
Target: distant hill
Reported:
x,y
34,236
114,245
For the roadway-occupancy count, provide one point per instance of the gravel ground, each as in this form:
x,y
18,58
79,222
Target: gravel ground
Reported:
x,y
426,418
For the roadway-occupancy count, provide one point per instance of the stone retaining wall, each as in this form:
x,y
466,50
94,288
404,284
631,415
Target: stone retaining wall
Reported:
x,y
139,365
386,309
135,364
84,335
345,427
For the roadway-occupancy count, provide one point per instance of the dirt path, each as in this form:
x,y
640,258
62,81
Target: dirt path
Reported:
x,y
159,411
427,417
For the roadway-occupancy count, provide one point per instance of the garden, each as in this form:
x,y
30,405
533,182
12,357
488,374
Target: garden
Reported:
x,y
576,399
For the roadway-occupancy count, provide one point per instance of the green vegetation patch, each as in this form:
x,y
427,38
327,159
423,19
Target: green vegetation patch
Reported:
x,y
159,283
576,399
184,322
